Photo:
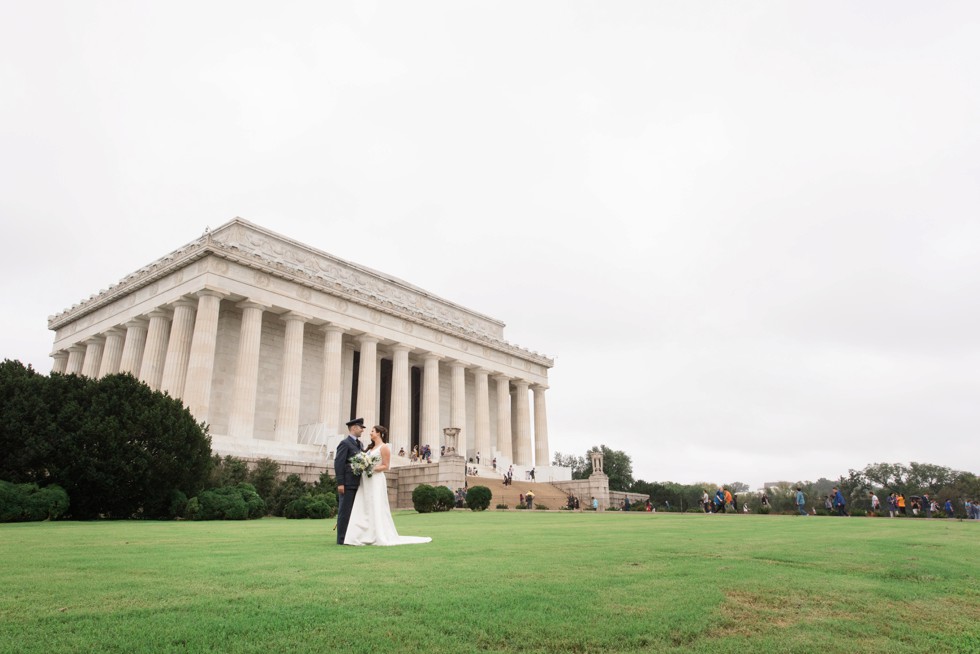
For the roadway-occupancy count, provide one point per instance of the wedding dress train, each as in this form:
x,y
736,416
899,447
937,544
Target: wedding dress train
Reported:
x,y
370,517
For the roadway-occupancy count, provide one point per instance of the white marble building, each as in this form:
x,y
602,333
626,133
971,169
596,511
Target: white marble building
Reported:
x,y
276,344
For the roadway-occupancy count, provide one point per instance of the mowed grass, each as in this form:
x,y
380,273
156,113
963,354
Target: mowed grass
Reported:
x,y
495,581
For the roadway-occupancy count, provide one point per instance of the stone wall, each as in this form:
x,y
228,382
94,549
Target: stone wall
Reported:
x,y
449,472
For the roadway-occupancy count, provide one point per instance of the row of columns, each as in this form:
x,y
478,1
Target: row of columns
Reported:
x,y
174,351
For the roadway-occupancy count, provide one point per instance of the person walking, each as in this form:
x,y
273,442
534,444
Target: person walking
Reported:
x,y
839,503
800,500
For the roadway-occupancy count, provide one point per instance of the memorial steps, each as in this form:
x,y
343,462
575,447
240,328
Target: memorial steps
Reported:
x,y
546,494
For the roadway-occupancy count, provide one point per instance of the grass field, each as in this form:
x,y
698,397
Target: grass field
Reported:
x,y
495,581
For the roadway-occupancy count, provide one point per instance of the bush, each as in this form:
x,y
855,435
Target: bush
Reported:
x,y
503,507
522,506
541,507
478,498
292,488
317,506
424,498
239,502
326,484
445,499
227,471
263,477
29,503
763,510
178,504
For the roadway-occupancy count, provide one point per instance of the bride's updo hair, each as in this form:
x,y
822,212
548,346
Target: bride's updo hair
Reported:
x,y
384,433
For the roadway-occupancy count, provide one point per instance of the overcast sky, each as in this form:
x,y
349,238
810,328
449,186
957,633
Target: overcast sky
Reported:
x,y
748,233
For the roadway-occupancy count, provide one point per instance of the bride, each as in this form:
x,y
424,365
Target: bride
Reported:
x,y
370,517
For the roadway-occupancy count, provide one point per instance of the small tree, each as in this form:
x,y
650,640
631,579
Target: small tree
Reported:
x,y
292,488
264,477
478,498
424,498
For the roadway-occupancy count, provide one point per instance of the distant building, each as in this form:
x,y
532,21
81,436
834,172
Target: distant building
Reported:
x,y
276,345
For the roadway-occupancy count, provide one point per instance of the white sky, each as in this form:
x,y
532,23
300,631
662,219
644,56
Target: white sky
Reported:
x,y
747,232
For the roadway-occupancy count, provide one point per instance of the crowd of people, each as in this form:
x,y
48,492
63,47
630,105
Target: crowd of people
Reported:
x,y
723,501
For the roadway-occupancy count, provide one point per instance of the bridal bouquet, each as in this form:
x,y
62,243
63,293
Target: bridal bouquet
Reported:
x,y
363,463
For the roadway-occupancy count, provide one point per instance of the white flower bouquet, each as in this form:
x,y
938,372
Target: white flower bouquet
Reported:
x,y
363,463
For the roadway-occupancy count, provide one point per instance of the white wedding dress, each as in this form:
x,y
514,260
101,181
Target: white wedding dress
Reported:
x,y
370,517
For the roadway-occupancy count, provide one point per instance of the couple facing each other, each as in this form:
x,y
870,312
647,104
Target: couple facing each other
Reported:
x,y
364,516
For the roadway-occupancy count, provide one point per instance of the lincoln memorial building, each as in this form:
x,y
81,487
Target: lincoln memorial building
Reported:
x,y
276,344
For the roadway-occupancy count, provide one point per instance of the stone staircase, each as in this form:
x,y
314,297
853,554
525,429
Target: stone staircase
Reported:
x,y
544,494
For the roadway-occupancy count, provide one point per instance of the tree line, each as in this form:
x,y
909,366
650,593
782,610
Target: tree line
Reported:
x,y
914,479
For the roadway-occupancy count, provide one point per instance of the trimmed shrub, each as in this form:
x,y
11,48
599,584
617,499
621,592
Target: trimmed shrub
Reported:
x,y
29,503
316,506
424,498
445,499
502,507
239,502
541,507
521,506
478,498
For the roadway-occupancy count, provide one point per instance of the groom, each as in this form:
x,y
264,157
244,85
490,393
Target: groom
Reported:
x,y
347,481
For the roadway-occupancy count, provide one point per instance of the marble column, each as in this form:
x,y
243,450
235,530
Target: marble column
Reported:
x,y
346,384
457,404
481,425
151,370
93,356
330,410
179,348
367,381
504,445
287,420
522,435
401,397
430,428
115,338
76,357
132,355
60,362
541,455
241,422
200,362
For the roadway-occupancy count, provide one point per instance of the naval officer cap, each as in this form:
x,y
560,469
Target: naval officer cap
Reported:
x,y
356,421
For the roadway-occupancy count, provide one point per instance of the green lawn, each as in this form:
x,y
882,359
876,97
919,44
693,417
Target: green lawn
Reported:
x,y
495,581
